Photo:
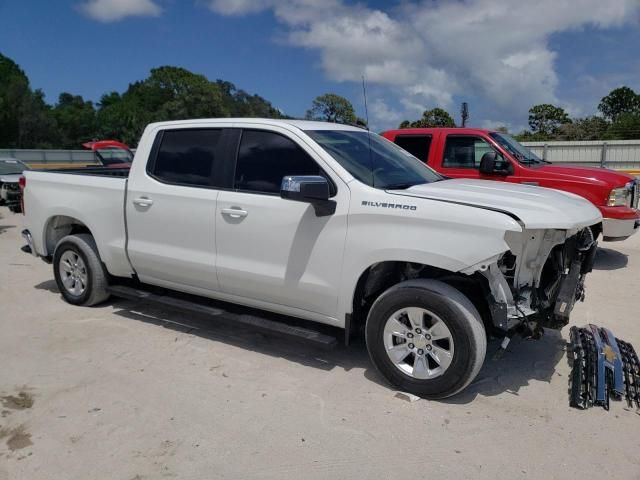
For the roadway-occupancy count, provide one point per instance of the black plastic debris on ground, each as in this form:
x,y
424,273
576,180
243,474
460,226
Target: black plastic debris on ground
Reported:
x,y
603,368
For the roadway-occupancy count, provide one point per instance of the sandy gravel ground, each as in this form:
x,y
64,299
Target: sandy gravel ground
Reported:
x,y
130,391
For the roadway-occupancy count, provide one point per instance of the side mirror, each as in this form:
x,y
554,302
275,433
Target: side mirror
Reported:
x,y
489,165
312,189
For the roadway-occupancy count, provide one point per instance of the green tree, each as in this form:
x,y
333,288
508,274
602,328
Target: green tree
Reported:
x,y
545,119
169,93
173,93
242,104
589,128
436,117
14,86
121,117
618,101
24,116
332,108
36,126
625,127
75,120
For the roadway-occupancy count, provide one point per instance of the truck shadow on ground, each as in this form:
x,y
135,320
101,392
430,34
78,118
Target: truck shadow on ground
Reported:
x,y
608,259
49,286
523,362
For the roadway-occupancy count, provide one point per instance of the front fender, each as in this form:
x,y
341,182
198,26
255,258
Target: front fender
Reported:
x,y
448,245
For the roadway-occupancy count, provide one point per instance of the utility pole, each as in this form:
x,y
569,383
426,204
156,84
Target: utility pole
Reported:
x,y
465,113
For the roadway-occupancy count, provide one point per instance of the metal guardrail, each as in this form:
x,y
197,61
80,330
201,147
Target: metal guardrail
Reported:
x,y
617,154
44,156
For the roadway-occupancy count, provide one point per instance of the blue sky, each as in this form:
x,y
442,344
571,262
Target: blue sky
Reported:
x,y
415,55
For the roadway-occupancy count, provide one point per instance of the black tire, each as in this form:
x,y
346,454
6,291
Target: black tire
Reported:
x,y
84,246
456,312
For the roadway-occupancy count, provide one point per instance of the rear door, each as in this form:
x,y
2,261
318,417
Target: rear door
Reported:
x,y
273,250
171,208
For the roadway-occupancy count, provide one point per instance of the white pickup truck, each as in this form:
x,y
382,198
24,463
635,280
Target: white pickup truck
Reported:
x,y
322,222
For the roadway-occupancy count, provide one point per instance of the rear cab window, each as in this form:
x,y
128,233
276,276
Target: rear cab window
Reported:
x,y
417,145
189,157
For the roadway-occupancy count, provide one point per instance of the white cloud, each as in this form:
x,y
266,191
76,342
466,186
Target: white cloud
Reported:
x,y
381,112
114,10
426,52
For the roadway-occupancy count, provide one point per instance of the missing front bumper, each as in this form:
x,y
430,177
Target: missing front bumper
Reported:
x,y
539,285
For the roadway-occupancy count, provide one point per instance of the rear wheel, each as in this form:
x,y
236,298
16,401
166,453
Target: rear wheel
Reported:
x,y
426,338
78,271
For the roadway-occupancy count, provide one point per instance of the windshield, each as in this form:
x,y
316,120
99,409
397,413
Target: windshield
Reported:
x,y
519,152
11,167
374,160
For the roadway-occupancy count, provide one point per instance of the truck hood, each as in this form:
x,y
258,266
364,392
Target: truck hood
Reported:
x,y
535,207
11,178
605,176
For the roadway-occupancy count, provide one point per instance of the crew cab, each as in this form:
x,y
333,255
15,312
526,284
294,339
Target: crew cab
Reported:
x,y
491,155
325,223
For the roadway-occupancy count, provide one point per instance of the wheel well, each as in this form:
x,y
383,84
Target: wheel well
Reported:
x,y
381,276
596,230
60,226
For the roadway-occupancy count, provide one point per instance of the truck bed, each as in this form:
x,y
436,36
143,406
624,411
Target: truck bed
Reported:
x,y
88,197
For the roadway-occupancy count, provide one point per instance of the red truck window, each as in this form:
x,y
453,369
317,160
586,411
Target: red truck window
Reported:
x,y
464,151
416,145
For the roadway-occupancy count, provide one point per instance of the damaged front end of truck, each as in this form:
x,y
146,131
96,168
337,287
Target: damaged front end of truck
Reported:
x,y
536,283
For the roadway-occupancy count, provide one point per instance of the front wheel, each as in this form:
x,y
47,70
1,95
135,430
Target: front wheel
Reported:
x,y
79,273
426,338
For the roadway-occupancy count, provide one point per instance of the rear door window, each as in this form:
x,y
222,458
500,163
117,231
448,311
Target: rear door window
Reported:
x,y
416,145
190,157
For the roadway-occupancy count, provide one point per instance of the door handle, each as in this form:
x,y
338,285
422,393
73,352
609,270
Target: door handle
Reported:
x,y
234,212
143,202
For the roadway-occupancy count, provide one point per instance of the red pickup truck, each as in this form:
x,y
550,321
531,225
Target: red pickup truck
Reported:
x,y
491,155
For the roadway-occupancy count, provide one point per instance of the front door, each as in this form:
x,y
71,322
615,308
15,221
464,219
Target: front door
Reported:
x,y
171,209
274,250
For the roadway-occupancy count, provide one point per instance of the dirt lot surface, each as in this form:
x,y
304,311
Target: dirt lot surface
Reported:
x,y
131,391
